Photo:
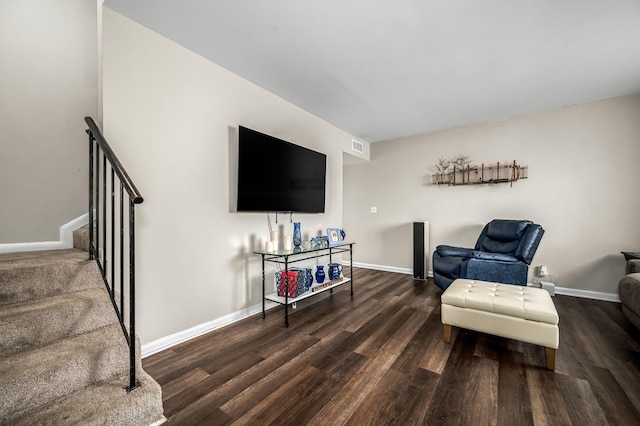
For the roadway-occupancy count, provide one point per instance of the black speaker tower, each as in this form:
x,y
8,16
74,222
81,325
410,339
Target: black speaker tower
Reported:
x,y
420,249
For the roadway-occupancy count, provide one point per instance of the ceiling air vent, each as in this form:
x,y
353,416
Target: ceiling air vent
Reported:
x,y
357,146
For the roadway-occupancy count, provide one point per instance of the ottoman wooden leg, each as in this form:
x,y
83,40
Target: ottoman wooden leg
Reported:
x,y
447,333
551,358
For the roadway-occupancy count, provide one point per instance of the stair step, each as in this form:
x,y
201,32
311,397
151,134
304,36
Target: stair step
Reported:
x,y
63,356
35,275
34,378
81,238
29,325
102,404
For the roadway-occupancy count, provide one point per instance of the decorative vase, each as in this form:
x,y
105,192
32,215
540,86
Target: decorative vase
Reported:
x,y
320,274
297,236
335,269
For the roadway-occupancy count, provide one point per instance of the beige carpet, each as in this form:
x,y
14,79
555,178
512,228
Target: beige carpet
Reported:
x,y
63,356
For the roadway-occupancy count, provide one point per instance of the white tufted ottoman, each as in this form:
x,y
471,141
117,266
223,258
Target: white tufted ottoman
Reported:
x,y
511,311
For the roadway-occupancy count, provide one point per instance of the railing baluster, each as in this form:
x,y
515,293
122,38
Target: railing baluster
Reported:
x,y
121,256
98,235
97,195
104,214
113,241
132,299
91,139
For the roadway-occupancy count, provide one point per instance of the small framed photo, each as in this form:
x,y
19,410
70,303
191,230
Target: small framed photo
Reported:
x,y
335,236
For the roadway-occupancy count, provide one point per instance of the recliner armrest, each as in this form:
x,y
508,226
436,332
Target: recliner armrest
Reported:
x,y
633,266
444,250
512,272
485,255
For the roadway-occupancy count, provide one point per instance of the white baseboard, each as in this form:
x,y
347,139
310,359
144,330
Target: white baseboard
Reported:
x,y
66,230
381,268
588,294
406,271
166,342
66,239
162,421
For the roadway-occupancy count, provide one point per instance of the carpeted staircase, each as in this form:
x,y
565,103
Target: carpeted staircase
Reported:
x,y
63,356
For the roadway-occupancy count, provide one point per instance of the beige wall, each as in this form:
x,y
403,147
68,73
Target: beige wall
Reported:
x,y
172,117
48,84
582,188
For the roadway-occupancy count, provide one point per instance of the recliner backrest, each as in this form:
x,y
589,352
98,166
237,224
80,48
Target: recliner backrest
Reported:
x,y
517,238
529,243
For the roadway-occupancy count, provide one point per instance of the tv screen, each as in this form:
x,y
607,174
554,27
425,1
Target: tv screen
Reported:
x,y
278,176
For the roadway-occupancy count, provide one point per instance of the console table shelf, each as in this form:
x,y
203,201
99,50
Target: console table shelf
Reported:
x,y
316,289
287,257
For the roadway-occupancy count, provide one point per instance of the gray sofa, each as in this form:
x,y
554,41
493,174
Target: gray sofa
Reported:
x,y
629,291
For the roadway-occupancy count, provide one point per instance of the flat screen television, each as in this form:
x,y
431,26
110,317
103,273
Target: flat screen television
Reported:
x,y
278,176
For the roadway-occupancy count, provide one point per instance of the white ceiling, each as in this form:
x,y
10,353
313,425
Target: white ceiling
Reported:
x,y
386,69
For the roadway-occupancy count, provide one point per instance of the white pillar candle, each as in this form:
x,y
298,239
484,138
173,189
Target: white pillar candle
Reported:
x,y
287,242
274,240
269,246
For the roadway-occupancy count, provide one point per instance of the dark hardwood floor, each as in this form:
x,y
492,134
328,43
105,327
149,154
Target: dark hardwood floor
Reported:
x,y
379,358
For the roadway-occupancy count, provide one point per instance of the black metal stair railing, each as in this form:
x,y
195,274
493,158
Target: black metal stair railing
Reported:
x,y
104,168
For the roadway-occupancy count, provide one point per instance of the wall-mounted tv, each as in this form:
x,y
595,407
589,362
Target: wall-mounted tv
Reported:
x,y
278,176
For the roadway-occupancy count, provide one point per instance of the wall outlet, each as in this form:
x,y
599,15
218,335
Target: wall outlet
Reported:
x,y
542,271
374,210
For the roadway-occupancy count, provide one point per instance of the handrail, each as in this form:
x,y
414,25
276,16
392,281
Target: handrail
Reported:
x,y
102,246
129,186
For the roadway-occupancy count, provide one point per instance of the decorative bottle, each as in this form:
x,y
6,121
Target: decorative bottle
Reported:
x,y
297,236
320,274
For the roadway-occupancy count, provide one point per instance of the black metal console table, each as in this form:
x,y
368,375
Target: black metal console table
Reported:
x,y
287,257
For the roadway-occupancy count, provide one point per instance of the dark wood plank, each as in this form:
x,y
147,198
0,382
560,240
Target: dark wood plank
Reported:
x,y
184,382
468,388
409,360
581,404
347,399
398,399
436,350
270,383
242,364
547,402
334,378
514,402
379,357
627,375
280,401
617,406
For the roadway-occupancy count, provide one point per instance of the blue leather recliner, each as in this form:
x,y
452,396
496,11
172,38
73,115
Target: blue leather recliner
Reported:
x,y
502,254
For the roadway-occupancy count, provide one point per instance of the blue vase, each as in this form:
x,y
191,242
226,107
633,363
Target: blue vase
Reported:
x,y
297,236
320,274
335,269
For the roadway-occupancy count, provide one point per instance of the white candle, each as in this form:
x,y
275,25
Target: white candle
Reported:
x,y
274,237
269,246
287,242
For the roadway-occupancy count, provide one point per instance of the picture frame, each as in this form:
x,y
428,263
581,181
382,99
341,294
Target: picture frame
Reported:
x,y
334,236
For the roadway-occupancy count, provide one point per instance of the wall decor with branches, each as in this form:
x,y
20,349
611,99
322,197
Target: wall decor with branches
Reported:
x,y
460,170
